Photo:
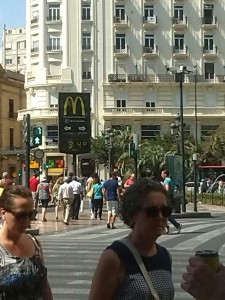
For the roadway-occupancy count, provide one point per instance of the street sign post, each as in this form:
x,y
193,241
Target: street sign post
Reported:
x,y
74,123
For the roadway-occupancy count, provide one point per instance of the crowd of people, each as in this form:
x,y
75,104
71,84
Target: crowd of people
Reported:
x,y
135,267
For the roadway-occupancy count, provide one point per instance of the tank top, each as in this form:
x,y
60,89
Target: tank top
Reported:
x,y
22,278
43,191
134,285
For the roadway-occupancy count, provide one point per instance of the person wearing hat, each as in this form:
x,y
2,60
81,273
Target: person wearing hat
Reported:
x,y
44,195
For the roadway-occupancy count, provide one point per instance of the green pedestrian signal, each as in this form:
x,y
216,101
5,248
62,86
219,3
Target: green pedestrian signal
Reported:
x,y
132,150
37,136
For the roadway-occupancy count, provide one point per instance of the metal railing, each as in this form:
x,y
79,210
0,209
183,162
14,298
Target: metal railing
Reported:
x,y
120,20
209,20
179,21
183,50
150,20
208,50
150,50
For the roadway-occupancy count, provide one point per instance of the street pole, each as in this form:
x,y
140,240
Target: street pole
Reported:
x,y
181,76
109,157
136,142
196,148
26,139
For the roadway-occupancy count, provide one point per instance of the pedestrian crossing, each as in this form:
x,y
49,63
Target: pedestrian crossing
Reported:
x,y
71,257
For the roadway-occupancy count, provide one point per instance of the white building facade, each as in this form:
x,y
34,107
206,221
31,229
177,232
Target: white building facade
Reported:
x,y
117,50
14,49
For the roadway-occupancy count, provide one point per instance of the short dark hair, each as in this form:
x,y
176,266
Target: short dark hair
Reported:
x,y
135,196
166,172
9,194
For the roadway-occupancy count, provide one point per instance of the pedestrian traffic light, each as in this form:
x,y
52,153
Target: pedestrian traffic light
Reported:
x,y
47,166
26,128
20,173
132,150
37,136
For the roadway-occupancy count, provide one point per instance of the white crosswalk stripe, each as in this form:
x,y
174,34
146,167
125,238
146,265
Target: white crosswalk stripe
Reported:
x,y
72,256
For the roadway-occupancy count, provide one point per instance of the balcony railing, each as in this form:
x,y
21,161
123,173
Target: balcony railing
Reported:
x,y
150,20
164,78
86,76
121,50
208,50
120,20
38,113
183,50
34,20
179,21
34,50
209,20
150,50
53,19
53,48
86,47
12,115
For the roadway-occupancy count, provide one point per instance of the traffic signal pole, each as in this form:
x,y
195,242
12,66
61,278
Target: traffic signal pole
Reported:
x,y
26,139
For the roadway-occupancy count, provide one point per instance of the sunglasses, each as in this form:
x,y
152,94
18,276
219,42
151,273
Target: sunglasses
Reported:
x,y
22,214
153,211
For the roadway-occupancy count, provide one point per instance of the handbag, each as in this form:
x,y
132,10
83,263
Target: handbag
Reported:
x,y
141,265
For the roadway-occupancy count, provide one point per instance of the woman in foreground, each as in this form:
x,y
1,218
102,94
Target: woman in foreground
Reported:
x,y
118,275
23,275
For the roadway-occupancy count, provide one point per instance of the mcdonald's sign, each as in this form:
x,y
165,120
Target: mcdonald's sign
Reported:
x,y
74,123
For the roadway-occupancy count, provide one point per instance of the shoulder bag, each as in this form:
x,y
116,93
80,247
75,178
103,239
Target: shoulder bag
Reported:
x,y
141,265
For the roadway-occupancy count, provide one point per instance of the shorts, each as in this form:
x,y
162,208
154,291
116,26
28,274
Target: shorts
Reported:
x,y
44,202
112,207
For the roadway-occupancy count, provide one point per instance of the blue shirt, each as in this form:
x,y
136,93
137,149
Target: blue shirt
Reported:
x,y
111,186
97,190
169,181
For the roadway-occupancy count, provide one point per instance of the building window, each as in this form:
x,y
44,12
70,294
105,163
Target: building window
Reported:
x,y
8,61
120,41
209,70
21,45
20,31
86,12
120,103
18,60
149,131
9,31
149,41
179,42
11,108
178,13
208,13
52,136
86,67
86,75
11,138
148,12
207,130
54,43
208,42
150,106
54,12
35,46
86,41
120,13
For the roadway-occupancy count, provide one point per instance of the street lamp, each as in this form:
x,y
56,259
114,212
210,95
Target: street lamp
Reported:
x,y
195,155
179,77
109,135
175,131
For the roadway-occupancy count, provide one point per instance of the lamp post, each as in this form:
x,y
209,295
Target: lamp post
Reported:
x,y
109,135
195,155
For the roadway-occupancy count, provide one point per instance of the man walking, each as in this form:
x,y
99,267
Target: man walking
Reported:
x,y
111,194
169,186
33,188
77,194
66,199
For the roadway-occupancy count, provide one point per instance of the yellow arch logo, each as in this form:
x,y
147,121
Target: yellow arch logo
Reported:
x,y
74,105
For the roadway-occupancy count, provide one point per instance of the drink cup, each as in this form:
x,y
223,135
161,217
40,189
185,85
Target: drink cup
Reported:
x,y
210,257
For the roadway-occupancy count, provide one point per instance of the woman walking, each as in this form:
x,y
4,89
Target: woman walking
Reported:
x,y
55,194
44,195
98,198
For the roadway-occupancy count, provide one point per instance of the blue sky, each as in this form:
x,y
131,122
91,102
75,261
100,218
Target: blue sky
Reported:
x,y
12,13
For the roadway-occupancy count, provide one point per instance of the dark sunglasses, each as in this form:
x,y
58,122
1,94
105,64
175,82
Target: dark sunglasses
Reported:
x,y
153,211
22,214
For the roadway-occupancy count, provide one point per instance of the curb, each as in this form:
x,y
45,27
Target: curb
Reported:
x,y
192,215
33,231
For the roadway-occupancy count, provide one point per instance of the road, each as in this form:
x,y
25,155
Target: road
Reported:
x,y
71,256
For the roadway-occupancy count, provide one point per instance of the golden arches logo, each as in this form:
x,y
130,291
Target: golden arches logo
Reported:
x,y
74,105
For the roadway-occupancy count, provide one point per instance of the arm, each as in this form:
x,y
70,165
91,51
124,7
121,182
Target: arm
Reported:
x,y
104,194
110,272
126,185
202,282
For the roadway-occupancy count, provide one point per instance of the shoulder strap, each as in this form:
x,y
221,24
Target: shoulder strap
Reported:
x,y
141,265
36,243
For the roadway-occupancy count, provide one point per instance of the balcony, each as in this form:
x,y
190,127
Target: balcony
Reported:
x,y
38,113
150,22
120,22
34,51
121,53
53,20
180,53
162,112
86,76
210,53
86,20
117,78
209,23
180,23
12,115
150,52
54,49
54,78
87,49
34,21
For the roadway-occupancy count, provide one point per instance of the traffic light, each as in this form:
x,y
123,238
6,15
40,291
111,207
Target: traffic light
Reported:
x,y
37,136
132,150
26,128
47,166
20,173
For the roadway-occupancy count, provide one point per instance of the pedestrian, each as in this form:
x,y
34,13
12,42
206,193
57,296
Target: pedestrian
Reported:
x,y
55,196
129,181
6,180
23,274
111,194
34,181
77,196
90,182
66,199
98,198
136,267
169,186
44,195
202,282
70,177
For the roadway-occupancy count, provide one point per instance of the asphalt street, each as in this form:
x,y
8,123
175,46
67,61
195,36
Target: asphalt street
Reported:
x,y
71,257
